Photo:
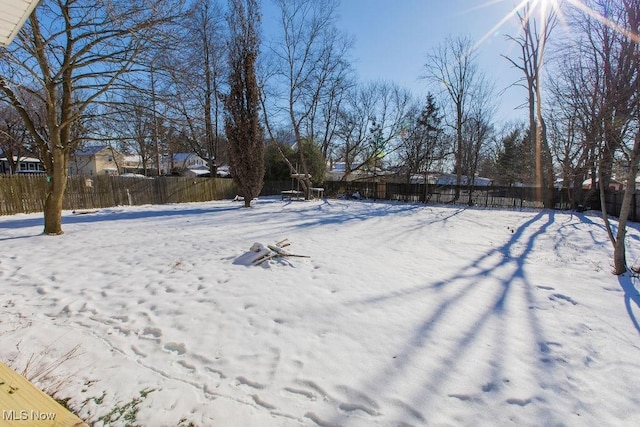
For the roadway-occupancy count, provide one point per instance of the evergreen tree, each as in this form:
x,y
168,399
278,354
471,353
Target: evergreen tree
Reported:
x,y
516,161
507,164
242,118
277,167
422,143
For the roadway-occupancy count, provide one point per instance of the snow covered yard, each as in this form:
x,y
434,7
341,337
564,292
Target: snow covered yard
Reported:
x,y
404,315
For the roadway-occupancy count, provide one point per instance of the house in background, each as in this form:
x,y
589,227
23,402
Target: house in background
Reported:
x,y
181,162
96,160
336,171
25,165
186,164
132,163
613,185
440,178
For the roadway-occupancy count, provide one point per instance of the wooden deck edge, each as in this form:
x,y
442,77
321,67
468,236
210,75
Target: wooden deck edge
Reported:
x,y
23,405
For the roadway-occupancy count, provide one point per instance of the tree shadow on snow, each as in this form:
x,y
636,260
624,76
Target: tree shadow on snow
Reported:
x,y
345,211
631,296
115,214
467,285
628,282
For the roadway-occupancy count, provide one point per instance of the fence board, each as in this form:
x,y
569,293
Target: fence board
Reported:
x,y
26,193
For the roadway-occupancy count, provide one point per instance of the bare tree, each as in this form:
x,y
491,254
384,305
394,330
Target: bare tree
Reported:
x,y
616,46
478,131
69,54
532,43
370,125
242,120
573,120
452,68
310,71
197,73
598,91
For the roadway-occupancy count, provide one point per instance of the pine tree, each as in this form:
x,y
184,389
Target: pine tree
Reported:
x,y
242,118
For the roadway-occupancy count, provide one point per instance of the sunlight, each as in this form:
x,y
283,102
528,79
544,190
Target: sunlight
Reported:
x,y
525,8
543,8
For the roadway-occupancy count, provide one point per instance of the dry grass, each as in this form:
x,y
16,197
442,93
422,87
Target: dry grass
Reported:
x,y
42,369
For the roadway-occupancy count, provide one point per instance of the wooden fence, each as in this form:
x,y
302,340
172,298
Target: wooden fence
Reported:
x,y
25,194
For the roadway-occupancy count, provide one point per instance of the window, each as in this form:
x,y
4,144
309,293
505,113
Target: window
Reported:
x,y
23,166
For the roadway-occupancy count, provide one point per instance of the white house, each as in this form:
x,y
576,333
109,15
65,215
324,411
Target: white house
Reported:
x,y
337,170
184,161
29,165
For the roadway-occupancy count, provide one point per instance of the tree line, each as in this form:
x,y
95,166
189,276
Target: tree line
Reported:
x,y
154,78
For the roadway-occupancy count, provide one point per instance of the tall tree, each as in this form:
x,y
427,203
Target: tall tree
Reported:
x,y
478,131
532,43
198,73
599,91
242,119
615,42
68,55
452,66
310,71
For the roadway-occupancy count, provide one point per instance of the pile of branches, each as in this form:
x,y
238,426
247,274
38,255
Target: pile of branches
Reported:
x,y
275,251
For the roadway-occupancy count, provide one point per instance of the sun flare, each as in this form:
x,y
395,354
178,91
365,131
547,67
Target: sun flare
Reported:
x,y
529,9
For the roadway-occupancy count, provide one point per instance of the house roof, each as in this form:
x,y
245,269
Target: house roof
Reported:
x,y
183,157
91,150
22,159
14,15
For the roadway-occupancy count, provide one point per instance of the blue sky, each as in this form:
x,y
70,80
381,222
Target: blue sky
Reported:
x,y
393,38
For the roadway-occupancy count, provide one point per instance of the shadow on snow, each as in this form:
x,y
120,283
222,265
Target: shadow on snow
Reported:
x,y
464,283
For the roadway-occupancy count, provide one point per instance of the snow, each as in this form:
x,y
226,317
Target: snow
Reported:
x,y
404,314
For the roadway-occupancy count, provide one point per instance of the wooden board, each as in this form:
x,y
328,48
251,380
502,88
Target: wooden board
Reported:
x,y
23,405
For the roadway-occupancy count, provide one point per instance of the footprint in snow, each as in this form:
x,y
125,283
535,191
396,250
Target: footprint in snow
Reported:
x,y
556,297
249,383
174,347
186,365
151,333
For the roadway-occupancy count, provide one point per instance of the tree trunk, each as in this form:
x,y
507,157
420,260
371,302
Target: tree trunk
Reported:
x,y
619,252
56,186
459,114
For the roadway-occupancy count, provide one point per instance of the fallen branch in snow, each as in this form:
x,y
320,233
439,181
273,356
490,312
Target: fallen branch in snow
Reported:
x,y
272,251
92,211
